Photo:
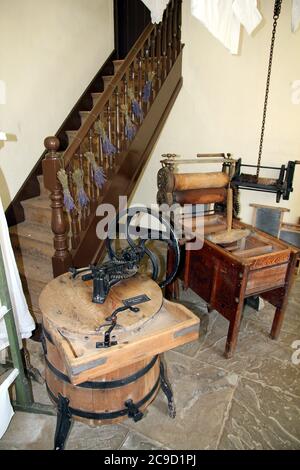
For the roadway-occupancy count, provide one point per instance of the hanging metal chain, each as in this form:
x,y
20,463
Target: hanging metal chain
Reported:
x,y
277,11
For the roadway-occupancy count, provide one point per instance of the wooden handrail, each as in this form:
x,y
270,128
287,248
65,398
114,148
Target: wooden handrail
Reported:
x,y
98,108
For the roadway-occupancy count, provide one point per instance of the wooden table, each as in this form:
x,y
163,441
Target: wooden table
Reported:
x,y
226,277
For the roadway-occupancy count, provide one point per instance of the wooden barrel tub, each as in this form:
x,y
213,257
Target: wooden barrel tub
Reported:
x,y
106,399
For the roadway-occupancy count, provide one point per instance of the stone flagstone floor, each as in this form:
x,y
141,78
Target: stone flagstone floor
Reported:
x,y
249,402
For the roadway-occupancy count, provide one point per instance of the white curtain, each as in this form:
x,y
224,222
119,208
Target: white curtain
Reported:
x,y
223,18
6,411
24,321
157,8
296,15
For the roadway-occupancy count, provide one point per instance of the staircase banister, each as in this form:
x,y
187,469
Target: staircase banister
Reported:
x,y
98,108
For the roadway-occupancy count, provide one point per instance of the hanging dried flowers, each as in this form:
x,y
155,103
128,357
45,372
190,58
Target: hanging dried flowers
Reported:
x,y
147,92
136,108
108,148
68,199
130,128
99,175
82,197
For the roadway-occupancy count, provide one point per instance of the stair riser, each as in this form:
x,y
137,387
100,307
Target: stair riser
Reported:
x,y
44,191
38,216
106,82
71,136
29,247
117,65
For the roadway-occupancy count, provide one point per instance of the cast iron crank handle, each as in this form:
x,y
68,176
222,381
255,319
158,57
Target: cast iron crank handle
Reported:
x,y
76,272
122,309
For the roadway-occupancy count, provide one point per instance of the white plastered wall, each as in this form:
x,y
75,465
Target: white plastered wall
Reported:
x,y
220,106
49,53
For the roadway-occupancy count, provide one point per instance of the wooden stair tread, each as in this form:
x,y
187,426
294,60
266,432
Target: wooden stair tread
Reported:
x,y
96,95
34,268
40,202
118,64
33,231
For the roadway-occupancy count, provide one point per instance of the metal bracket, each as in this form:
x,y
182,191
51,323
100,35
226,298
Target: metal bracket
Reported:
x,y
133,411
63,424
107,338
166,388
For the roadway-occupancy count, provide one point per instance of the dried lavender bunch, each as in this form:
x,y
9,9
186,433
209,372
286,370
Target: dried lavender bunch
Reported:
x,y
99,175
82,198
108,148
130,128
135,106
147,91
68,200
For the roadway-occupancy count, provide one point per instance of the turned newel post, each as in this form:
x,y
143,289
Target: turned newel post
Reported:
x,y
62,259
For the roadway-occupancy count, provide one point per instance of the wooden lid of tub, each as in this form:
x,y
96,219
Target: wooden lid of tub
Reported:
x,y
67,304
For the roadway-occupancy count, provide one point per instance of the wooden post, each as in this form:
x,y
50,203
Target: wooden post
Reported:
x,y
62,259
283,302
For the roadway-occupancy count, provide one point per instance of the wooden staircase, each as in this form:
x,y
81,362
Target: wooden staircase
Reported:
x,y
47,224
32,240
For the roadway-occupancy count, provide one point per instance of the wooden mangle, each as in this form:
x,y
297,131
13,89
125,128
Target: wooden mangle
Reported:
x,y
225,271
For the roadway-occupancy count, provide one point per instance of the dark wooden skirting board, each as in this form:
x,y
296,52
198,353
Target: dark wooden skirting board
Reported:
x,y
132,162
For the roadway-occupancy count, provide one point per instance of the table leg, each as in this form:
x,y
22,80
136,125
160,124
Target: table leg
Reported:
x,y
166,388
233,333
281,309
63,424
236,317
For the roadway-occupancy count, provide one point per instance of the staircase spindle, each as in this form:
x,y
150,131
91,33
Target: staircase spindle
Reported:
x,y
179,25
165,44
158,55
125,103
147,68
74,216
62,259
100,150
141,76
84,210
170,35
117,119
92,187
175,31
153,59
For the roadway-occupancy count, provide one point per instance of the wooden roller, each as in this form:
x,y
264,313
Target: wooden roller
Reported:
x,y
200,196
197,196
170,182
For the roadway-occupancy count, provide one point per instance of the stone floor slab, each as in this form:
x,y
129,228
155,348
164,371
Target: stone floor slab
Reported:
x,y
202,395
135,441
261,418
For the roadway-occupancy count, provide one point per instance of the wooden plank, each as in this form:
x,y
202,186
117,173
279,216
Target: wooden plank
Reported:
x,y
266,279
254,251
173,326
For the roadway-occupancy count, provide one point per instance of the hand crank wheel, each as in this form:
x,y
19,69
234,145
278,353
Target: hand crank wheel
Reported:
x,y
169,237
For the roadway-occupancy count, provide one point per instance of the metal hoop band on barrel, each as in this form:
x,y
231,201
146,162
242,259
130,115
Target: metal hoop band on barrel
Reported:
x,y
104,385
110,415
